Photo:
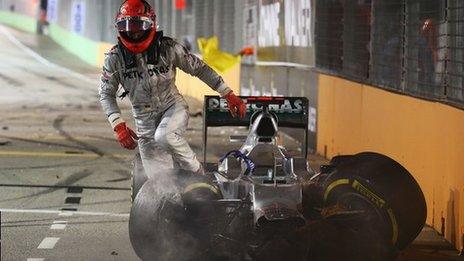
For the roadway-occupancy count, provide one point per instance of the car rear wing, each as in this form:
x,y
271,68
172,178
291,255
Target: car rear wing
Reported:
x,y
292,112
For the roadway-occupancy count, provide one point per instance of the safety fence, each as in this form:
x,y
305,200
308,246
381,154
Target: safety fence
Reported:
x,y
414,47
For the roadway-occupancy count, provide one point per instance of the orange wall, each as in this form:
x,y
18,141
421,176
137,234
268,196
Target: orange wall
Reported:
x,y
425,137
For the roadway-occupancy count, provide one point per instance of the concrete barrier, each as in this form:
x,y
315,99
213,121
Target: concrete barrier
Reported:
x,y
425,137
19,21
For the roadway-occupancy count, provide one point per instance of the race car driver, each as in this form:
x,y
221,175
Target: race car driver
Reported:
x,y
144,64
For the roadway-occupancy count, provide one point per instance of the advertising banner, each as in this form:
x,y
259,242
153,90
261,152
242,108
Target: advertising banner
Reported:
x,y
78,16
52,11
285,31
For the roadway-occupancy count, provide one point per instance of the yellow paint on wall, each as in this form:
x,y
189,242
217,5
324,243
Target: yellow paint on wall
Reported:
x,y
425,137
194,87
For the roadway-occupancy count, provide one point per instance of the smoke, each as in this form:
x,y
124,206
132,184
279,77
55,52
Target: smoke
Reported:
x,y
159,227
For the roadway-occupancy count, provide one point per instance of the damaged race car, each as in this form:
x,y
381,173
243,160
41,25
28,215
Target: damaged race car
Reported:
x,y
260,202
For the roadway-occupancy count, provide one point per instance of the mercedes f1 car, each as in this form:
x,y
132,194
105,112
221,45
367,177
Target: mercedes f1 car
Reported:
x,y
259,202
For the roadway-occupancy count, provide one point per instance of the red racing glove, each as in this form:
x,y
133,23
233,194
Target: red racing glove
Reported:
x,y
126,136
236,105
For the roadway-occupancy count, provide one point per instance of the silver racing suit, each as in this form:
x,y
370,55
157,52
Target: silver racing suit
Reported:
x,y
160,112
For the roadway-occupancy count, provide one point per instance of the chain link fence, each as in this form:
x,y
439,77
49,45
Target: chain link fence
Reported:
x,y
356,39
387,44
329,32
455,65
425,48
414,47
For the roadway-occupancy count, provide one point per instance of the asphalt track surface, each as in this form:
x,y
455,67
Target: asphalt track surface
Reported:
x,y
64,180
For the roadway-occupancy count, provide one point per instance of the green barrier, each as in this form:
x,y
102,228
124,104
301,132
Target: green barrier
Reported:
x,y
19,21
80,46
91,52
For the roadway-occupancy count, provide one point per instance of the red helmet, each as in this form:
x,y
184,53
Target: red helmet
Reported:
x,y
136,25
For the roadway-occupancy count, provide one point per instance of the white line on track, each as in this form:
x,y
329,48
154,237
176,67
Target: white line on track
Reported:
x,y
42,60
48,243
35,259
44,211
58,225
65,213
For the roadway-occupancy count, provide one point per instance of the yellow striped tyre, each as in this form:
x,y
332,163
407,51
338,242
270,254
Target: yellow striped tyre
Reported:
x,y
377,196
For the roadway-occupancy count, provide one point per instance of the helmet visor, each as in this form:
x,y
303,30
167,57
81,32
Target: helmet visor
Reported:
x,y
134,29
134,24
